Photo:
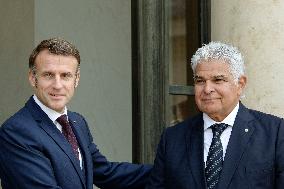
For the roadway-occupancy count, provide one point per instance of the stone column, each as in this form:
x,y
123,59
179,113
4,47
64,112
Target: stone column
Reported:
x,y
256,27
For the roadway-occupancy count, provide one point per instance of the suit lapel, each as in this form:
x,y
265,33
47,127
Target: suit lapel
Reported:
x,y
77,125
241,133
83,146
48,126
195,151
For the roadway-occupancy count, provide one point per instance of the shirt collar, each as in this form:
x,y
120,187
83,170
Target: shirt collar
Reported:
x,y
229,120
52,114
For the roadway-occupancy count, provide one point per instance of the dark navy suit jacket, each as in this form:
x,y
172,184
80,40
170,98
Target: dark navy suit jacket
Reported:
x,y
35,155
254,158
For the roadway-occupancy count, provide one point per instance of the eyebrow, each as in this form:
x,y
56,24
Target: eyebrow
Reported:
x,y
213,77
220,76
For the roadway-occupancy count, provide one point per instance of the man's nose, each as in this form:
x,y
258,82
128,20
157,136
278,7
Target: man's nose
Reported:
x,y
208,87
57,82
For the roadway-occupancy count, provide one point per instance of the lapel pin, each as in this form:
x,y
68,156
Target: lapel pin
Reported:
x,y
246,130
74,121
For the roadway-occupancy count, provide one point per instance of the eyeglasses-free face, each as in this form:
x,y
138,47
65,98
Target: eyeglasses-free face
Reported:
x,y
54,79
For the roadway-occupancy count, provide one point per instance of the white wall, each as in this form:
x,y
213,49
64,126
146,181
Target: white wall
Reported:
x,y
256,27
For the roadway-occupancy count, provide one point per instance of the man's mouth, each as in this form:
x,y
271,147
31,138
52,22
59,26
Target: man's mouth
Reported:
x,y
209,99
55,95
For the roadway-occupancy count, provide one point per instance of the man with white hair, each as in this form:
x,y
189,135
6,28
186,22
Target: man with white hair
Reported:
x,y
226,146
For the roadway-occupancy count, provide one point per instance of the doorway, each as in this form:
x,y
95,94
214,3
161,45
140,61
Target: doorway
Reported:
x,y
165,34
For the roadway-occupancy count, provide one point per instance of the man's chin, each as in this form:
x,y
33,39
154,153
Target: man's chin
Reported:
x,y
210,108
210,111
58,108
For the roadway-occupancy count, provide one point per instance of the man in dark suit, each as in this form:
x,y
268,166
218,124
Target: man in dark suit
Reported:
x,y
46,146
226,146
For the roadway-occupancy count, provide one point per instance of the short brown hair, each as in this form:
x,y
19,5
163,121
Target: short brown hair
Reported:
x,y
56,46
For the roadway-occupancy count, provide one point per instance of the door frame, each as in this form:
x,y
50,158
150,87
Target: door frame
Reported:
x,y
150,70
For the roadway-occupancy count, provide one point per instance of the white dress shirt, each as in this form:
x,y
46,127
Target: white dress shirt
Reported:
x,y
225,136
53,115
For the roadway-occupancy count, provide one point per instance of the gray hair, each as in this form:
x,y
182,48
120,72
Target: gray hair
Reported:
x,y
220,51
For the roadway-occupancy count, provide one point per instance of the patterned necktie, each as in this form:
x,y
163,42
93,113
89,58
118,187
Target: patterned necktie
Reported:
x,y
68,133
214,161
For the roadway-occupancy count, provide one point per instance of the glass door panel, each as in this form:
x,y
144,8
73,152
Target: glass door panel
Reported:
x,y
183,41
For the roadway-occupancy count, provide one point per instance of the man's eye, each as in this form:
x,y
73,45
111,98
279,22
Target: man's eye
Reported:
x,y
47,75
199,81
67,76
220,80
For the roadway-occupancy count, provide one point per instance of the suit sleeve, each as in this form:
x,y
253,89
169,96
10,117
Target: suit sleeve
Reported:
x,y
29,166
109,175
280,157
157,177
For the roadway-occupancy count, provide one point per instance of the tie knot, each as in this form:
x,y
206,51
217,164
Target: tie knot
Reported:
x,y
62,120
218,128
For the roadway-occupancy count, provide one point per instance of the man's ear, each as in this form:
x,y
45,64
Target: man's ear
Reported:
x,y
32,78
77,78
242,84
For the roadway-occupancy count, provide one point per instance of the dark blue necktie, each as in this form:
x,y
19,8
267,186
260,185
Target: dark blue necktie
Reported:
x,y
214,161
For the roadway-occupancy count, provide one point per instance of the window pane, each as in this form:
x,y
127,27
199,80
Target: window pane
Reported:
x,y
177,34
183,41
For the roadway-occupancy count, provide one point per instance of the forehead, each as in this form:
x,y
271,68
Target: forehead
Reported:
x,y
47,59
211,68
